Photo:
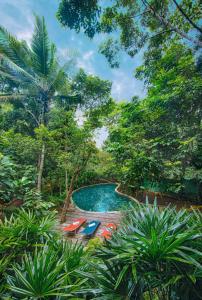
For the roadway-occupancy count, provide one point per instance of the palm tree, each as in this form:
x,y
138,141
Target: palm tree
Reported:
x,y
38,75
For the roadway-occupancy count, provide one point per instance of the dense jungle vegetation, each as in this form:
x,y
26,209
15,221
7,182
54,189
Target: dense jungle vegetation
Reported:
x,y
153,143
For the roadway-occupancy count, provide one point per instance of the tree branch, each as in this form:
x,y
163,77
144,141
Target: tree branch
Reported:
x,y
161,32
139,15
187,17
31,113
167,24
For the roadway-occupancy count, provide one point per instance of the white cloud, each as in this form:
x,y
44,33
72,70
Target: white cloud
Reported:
x,y
25,35
88,55
100,136
86,62
66,54
17,18
123,84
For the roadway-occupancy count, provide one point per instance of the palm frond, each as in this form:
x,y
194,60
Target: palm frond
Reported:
x,y
18,73
42,51
53,64
9,76
17,51
57,82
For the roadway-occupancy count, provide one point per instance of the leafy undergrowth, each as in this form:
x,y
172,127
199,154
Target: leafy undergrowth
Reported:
x,y
155,254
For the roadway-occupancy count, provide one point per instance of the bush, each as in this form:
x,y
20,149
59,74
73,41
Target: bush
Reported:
x,y
20,234
22,231
49,273
156,253
34,201
12,183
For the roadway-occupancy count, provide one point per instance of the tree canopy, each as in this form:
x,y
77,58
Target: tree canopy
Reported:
x,y
132,25
35,90
159,138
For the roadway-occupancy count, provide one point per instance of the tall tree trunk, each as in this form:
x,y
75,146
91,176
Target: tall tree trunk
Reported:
x,y
74,178
40,168
68,196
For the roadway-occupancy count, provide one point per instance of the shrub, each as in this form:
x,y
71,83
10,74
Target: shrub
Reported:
x,y
155,252
49,273
12,183
22,231
34,201
20,234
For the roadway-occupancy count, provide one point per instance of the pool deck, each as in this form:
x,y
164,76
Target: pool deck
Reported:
x,y
103,217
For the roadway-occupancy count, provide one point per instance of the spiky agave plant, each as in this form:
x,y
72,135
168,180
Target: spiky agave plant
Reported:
x,y
44,275
37,74
155,253
4,263
20,233
76,263
24,230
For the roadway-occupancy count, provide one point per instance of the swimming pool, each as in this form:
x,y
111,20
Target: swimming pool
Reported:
x,y
101,198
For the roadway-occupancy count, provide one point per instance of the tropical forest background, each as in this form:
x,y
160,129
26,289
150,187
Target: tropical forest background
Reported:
x,y
153,143
53,113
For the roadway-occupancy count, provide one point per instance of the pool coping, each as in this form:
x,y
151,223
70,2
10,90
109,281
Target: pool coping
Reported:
x,y
116,190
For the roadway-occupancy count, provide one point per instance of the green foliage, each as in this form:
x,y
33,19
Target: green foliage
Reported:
x,y
154,251
12,185
6,179
39,277
49,273
40,92
90,11
159,138
42,81
93,244
20,233
24,230
33,201
35,69
155,254
133,24
110,50
42,277
95,92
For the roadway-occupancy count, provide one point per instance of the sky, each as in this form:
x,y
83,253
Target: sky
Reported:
x,y
17,17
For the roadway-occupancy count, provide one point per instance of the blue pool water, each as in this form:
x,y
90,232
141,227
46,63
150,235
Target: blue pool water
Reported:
x,y
100,198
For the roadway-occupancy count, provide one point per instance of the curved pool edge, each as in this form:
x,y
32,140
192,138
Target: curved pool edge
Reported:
x,y
102,212
125,195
